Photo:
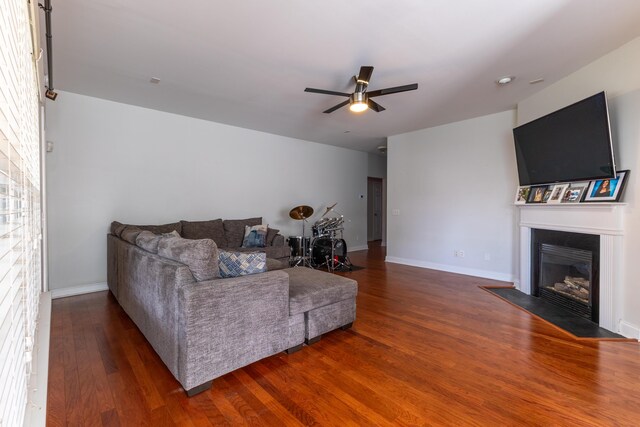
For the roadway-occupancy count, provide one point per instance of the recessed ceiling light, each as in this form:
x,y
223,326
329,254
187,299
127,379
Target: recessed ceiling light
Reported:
x,y
154,80
505,80
532,82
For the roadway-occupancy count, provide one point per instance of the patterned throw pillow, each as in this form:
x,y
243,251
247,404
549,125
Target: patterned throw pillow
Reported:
x,y
234,264
255,237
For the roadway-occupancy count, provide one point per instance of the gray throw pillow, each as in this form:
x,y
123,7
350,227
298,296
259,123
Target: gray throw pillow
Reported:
x,y
201,256
117,228
234,264
130,234
271,234
149,241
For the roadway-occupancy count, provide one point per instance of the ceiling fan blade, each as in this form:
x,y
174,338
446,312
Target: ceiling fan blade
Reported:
x,y
335,107
365,74
326,92
391,90
375,106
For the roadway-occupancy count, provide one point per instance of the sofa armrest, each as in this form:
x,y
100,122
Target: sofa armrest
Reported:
x,y
226,324
278,240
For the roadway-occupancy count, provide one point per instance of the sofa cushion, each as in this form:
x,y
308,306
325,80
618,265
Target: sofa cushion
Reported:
x,y
212,229
271,234
234,264
201,256
255,237
130,234
234,230
117,228
163,228
309,289
149,241
274,264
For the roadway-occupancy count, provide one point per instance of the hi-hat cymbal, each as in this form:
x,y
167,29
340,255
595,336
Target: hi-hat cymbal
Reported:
x,y
301,212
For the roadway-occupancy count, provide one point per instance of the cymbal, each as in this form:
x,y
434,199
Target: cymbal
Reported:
x,y
329,209
301,212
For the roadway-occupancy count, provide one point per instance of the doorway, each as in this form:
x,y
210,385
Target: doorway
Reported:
x,y
375,209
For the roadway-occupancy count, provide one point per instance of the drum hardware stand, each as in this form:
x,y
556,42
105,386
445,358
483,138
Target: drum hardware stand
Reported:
x,y
298,213
332,263
346,262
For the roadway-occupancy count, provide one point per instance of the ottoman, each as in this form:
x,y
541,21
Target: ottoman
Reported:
x,y
328,301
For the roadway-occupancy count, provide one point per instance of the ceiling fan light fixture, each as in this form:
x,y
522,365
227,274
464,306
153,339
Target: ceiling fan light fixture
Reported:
x,y
358,102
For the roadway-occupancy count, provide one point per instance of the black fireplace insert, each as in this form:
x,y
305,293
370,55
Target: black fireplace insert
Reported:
x,y
565,270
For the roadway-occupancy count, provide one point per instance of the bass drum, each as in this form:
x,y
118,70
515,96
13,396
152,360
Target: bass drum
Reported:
x,y
321,250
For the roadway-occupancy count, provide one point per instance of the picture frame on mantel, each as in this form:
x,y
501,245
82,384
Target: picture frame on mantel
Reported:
x,y
536,195
575,193
557,192
522,194
607,190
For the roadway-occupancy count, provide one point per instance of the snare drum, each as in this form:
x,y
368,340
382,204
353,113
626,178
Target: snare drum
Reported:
x,y
295,243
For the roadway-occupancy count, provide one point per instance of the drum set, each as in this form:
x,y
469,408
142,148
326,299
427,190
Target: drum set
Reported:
x,y
328,249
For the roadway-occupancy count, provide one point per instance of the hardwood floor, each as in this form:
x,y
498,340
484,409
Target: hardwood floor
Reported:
x,y
427,348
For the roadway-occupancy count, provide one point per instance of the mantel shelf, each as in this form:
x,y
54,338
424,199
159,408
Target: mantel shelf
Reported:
x,y
569,205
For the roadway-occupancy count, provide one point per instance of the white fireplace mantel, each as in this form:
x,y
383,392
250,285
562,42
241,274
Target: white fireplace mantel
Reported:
x,y
603,219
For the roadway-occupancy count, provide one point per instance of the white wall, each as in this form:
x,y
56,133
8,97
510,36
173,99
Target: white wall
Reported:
x,y
454,187
114,161
618,73
377,166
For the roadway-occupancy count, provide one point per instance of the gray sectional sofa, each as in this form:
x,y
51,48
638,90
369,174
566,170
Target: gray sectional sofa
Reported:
x,y
203,326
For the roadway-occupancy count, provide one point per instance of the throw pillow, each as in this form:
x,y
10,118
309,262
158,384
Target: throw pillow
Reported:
x,y
130,234
199,255
117,228
234,264
255,237
271,234
149,241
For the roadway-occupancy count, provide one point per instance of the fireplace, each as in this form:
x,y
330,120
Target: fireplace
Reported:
x,y
602,221
565,270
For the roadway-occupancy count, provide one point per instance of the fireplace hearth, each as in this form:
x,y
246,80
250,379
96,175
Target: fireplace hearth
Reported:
x,y
564,270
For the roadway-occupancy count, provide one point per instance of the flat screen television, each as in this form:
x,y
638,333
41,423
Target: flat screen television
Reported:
x,y
571,144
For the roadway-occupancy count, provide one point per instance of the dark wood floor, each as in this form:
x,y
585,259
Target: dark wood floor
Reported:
x,y
427,348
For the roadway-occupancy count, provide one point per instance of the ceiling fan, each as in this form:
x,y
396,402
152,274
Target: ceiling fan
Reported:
x,y
360,99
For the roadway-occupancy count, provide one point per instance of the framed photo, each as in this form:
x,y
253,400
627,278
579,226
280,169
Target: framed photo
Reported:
x,y
575,192
547,194
522,194
607,190
536,195
557,192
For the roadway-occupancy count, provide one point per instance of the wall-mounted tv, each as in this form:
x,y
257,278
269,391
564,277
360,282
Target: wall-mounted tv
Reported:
x,y
571,144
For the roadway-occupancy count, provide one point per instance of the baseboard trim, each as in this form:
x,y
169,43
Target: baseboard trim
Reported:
x,y
36,413
486,274
628,330
358,248
78,290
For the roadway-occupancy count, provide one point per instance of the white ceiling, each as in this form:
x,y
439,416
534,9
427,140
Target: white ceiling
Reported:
x,y
246,63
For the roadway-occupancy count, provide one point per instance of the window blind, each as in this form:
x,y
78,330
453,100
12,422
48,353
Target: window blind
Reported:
x,y
20,213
